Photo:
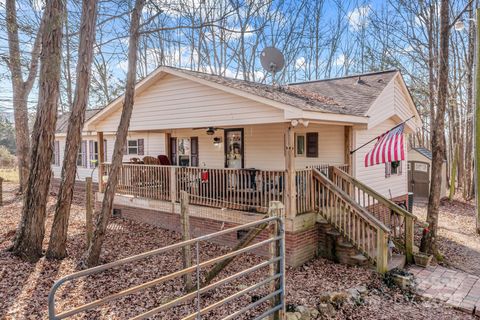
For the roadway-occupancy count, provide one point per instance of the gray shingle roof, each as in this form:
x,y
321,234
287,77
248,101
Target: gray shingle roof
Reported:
x,y
424,151
62,121
356,93
291,95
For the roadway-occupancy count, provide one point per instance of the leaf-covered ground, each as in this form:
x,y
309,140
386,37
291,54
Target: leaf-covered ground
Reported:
x,y
457,239
24,287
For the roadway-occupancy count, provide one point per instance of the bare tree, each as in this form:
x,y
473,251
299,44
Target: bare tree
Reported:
x,y
438,127
58,237
31,230
92,255
21,88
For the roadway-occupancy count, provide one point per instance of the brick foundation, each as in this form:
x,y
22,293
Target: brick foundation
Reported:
x,y
300,246
79,190
305,239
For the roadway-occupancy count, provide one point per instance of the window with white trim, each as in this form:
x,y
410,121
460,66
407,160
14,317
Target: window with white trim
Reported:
x,y
132,146
393,168
300,145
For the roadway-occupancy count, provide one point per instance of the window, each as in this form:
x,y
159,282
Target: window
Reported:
x,y
132,147
82,155
135,147
93,151
393,168
56,154
183,152
300,145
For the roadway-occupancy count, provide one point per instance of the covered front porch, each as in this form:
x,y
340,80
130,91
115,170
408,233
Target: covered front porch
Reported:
x,y
248,190
241,167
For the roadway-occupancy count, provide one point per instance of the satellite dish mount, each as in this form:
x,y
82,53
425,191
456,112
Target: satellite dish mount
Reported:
x,y
272,61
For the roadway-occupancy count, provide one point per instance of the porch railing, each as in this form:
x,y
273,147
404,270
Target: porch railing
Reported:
x,y
238,189
145,181
305,189
397,219
364,231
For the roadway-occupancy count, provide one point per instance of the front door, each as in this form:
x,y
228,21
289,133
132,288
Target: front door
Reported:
x,y
234,148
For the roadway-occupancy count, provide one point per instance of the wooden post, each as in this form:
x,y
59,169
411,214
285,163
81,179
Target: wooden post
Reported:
x,y
173,187
101,160
187,253
382,251
1,191
89,209
348,147
290,187
276,210
409,238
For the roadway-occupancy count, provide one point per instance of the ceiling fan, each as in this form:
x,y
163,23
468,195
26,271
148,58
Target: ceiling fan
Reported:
x,y
210,130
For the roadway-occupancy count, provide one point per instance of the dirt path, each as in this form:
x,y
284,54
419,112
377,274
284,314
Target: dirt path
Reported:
x,y
457,239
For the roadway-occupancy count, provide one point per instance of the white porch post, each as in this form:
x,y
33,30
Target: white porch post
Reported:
x,y
290,187
101,160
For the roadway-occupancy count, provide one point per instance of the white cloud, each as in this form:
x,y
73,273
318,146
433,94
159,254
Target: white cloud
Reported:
x,y
358,17
300,63
341,59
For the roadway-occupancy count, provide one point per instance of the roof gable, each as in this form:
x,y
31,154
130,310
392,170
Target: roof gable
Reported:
x,y
356,93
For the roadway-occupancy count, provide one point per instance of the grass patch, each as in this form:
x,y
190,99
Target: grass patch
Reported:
x,y
9,174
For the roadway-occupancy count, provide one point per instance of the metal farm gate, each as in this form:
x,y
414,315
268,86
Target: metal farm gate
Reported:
x,y
274,301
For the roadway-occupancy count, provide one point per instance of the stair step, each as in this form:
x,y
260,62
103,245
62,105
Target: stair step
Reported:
x,y
359,260
397,261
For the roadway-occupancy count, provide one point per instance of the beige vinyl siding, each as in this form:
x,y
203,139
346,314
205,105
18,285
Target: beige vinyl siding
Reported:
x,y
82,172
264,146
331,145
402,103
154,145
383,107
174,102
374,176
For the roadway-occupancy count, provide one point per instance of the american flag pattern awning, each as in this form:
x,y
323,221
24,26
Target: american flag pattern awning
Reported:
x,y
389,147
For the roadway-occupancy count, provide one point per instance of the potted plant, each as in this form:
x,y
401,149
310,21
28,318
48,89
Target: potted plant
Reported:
x,y
422,258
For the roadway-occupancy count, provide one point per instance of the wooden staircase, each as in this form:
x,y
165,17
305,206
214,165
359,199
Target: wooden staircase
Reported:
x,y
364,220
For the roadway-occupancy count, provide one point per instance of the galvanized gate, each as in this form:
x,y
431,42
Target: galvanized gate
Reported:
x,y
275,280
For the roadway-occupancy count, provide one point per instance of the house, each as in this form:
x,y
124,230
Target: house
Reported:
x,y
235,145
419,164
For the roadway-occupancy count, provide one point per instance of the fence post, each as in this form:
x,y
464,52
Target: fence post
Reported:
x,y
382,251
173,187
89,208
276,249
187,253
1,191
409,238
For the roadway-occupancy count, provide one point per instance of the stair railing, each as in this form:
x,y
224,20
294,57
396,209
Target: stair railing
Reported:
x,y
364,231
400,221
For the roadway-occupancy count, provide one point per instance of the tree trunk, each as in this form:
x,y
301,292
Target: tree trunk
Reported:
x,y
438,127
31,230
57,247
92,255
21,88
477,124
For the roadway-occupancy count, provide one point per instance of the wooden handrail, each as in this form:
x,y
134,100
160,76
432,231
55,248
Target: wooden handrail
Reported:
x,y
363,230
381,199
362,211
338,176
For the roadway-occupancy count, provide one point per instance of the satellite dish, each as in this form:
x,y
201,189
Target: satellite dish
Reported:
x,y
272,60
